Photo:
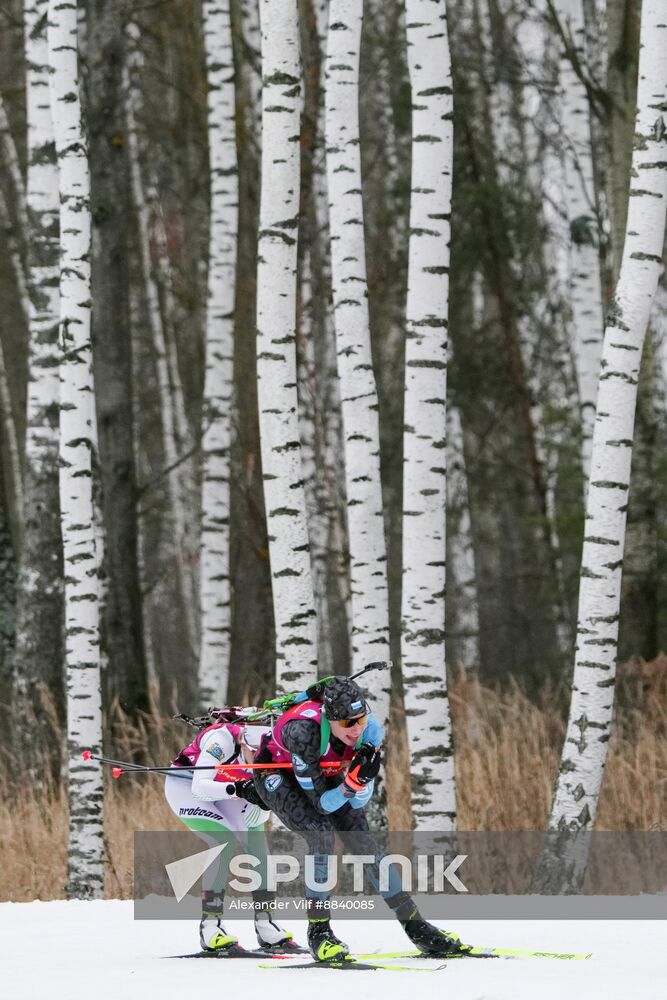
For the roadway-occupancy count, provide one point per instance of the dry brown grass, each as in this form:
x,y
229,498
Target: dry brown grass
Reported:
x,y
507,752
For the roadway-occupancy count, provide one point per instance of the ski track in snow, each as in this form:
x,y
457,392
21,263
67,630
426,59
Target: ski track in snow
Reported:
x,y
95,950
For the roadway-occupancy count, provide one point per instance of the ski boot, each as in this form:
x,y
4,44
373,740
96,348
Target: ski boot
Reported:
x,y
273,938
431,940
212,934
323,943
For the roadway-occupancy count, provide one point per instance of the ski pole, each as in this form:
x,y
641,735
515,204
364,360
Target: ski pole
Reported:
x,y
127,766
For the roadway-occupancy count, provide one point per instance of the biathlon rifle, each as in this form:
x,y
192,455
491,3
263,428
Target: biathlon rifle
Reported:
x,y
273,706
314,692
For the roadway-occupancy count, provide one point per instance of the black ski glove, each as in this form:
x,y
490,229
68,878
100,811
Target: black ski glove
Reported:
x,y
365,766
245,789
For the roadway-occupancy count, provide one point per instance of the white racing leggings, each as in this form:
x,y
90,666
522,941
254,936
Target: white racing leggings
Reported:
x,y
210,820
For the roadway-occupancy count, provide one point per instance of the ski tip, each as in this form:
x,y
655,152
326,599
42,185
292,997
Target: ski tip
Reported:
x,y
116,771
87,754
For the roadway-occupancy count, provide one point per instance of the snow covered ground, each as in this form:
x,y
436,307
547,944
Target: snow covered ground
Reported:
x,y
77,951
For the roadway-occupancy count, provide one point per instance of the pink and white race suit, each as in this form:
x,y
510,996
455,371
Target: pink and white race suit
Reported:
x,y
205,800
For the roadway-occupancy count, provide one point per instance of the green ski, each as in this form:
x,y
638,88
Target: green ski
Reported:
x,y
481,952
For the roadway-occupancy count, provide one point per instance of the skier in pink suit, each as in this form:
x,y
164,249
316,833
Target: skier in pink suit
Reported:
x,y
211,803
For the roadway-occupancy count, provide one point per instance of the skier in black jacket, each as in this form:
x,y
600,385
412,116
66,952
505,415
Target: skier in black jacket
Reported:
x,y
322,801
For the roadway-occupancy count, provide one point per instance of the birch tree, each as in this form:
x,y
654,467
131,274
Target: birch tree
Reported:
x,y
39,644
424,452
586,742
218,382
82,644
293,600
368,551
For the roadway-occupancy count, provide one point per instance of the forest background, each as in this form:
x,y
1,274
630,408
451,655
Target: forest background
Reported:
x,y
516,418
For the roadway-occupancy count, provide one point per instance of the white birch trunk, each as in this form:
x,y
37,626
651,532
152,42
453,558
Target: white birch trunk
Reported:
x,y
98,523
585,283
84,714
39,638
368,550
293,600
43,206
460,546
218,381
424,441
586,744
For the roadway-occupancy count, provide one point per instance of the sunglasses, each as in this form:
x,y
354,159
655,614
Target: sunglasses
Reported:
x,y
348,723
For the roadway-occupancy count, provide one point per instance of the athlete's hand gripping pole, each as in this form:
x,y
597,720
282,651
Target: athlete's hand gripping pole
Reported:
x,y
364,767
